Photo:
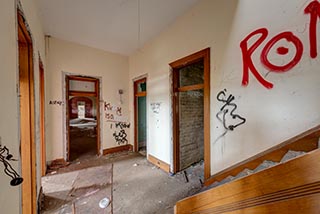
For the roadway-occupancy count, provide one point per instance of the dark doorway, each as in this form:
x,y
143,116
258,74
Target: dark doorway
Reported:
x,y
27,121
83,117
140,109
191,111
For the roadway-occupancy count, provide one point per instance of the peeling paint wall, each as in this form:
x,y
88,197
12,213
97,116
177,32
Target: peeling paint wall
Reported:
x,y
67,58
273,115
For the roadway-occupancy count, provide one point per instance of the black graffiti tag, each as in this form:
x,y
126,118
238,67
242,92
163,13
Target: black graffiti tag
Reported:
x,y
228,108
120,137
122,125
5,157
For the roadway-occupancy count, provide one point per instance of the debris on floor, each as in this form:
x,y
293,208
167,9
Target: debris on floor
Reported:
x,y
138,186
57,164
82,191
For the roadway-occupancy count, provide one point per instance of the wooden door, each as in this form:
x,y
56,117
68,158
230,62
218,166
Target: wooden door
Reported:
x,y
26,98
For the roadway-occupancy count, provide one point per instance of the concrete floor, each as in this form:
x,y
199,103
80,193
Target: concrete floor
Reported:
x,y
141,188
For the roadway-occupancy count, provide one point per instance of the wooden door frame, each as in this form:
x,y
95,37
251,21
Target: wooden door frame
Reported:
x,y
137,94
95,94
42,117
176,65
27,117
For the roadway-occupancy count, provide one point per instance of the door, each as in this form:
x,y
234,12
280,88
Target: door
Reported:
x,y
191,111
26,99
83,117
140,111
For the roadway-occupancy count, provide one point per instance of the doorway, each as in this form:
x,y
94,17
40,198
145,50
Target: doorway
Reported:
x,y
83,117
140,116
27,121
191,111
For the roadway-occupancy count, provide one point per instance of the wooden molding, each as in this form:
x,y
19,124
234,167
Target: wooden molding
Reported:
x,y
123,148
159,163
306,142
203,55
191,87
293,186
135,103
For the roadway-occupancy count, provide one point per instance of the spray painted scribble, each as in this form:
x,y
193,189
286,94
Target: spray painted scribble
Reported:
x,y
5,157
314,10
112,113
121,136
228,108
56,102
122,125
155,107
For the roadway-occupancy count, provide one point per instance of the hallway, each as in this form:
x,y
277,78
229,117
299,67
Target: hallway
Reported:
x,y
138,186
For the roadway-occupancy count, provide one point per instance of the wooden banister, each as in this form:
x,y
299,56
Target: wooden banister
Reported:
x,y
306,142
290,187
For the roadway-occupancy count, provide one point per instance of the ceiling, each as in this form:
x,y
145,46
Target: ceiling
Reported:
x,y
119,26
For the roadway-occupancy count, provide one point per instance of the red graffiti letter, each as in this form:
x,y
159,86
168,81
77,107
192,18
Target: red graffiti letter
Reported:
x,y
290,38
314,10
246,57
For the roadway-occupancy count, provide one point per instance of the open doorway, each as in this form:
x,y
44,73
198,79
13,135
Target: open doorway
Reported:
x,y
191,111
140,116
83,117
27,117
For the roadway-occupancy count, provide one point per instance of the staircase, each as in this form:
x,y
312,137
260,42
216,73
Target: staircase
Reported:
x,y
283,178
264,165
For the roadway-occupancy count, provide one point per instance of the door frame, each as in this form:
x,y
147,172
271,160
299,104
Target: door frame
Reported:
x,y
95,94
27,116
176,65
42,117
135,96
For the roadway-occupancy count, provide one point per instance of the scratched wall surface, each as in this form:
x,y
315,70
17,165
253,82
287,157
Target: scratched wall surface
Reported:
x,y
282,57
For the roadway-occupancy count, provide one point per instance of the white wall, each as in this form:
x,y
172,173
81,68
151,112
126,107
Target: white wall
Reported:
x,y
9,125
273,115
71,58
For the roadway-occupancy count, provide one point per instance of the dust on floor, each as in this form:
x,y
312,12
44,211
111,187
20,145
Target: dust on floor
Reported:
x,y
141,188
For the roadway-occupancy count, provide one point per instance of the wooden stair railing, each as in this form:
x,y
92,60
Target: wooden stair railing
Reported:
x,y
290,187
305,142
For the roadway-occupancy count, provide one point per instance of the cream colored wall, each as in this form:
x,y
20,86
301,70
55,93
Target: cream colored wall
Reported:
x,y
9,126
112,69
273,115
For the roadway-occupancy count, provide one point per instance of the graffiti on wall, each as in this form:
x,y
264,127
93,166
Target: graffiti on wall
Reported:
x,y
313,9
56,102
5,157
121,136
155,107
112,113
228,109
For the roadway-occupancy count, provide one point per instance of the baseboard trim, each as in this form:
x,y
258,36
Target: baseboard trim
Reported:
x,y
159,163
123,148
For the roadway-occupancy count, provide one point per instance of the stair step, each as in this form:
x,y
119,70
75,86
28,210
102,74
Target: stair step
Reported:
x,y
243,173
264,165
226,180
290,155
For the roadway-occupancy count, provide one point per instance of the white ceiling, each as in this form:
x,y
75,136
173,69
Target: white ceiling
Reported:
x,y
111,25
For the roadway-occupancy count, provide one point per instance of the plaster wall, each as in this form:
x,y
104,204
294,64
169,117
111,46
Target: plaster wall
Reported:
x,y
67,58
273,115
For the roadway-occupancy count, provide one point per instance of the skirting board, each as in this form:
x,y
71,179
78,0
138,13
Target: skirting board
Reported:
x,y
162,165
127,147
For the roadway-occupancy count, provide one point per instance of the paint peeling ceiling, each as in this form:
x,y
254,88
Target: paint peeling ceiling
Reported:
x,y
120,26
